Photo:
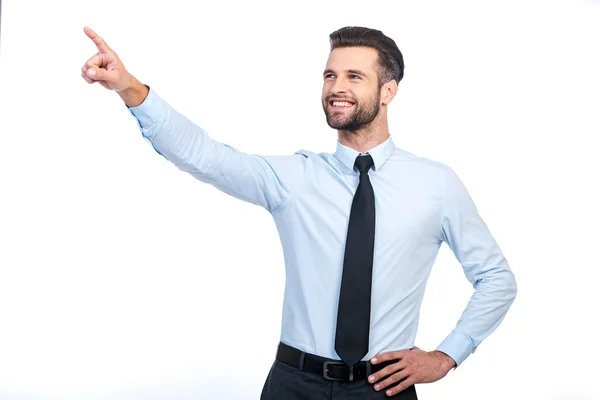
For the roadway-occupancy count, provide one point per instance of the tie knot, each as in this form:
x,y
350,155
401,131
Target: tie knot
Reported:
x,y
364,163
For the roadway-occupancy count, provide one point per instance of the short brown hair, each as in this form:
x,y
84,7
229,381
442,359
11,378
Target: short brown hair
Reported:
x,y
390,60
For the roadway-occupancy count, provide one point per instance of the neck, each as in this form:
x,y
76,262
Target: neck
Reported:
x,y
366,138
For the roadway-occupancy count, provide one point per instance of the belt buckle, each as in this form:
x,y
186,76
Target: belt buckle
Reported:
x,y
326,365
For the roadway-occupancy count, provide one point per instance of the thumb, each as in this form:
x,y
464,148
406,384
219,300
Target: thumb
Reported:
x,y
99,74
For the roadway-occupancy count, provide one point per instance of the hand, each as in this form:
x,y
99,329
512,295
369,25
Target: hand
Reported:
x,y
105,67
413,366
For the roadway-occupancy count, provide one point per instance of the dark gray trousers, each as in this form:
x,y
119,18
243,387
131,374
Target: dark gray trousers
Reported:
x,y
285,382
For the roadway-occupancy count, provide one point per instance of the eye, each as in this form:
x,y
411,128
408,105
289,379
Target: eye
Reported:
x,y
354,76
329,76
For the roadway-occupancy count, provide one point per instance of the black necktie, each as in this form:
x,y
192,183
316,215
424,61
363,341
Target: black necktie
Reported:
x,y
354,311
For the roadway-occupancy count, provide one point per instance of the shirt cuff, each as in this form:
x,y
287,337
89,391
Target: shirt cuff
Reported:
x,y
152,110
458,346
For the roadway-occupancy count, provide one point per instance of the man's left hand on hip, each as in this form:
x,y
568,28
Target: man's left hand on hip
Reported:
x,y
412,366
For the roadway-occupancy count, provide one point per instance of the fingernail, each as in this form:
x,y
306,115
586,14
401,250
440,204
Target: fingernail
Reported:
x,y
377,387
373,360
91,72
371,378
389,392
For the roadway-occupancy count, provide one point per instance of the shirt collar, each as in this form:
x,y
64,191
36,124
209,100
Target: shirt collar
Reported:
x,y
380,154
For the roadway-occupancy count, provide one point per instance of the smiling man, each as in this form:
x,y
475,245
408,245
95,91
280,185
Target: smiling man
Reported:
x,y
352,109
360,230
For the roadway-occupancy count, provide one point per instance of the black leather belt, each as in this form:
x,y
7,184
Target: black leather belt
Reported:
x,y
334,370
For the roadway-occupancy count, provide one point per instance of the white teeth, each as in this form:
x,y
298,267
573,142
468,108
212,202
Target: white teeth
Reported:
x,y
342,104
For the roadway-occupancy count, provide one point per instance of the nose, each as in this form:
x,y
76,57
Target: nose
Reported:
x,y
339,86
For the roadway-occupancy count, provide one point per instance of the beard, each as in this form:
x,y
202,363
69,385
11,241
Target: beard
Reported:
x,y
362,115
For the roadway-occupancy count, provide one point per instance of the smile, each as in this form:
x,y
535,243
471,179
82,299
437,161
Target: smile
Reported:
x,y
340,104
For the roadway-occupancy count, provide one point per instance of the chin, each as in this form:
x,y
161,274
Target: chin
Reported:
x,y
336,124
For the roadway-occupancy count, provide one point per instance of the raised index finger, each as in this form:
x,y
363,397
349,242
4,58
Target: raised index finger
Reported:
x,y
98,41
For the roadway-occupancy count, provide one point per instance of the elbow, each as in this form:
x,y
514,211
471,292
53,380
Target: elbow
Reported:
x,y
502,284
508,282
512,286
509,286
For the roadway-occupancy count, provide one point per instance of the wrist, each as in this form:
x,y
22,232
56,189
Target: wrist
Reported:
x,y
134,94
447,362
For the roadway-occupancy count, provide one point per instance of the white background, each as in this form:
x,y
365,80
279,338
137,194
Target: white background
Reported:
x,y
122,277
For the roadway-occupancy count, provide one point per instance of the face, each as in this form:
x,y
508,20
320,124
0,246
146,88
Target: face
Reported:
x,y
350,88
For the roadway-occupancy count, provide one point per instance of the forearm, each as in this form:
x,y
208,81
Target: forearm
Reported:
x,y
261,180
186,144
175,137
494,293
135,94
484,266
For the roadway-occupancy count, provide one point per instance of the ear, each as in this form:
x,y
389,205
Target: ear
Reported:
x,y
388,91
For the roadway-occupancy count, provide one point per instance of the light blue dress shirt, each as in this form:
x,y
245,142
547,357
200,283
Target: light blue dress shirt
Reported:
x,y
420,203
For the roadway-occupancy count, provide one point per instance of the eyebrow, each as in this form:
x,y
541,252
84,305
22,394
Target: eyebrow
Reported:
x,y
351,71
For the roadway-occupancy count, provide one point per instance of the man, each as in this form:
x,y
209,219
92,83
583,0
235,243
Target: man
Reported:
x,y
360,229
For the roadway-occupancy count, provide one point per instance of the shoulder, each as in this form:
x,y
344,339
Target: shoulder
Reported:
x,y
312,158
306,153
418,163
